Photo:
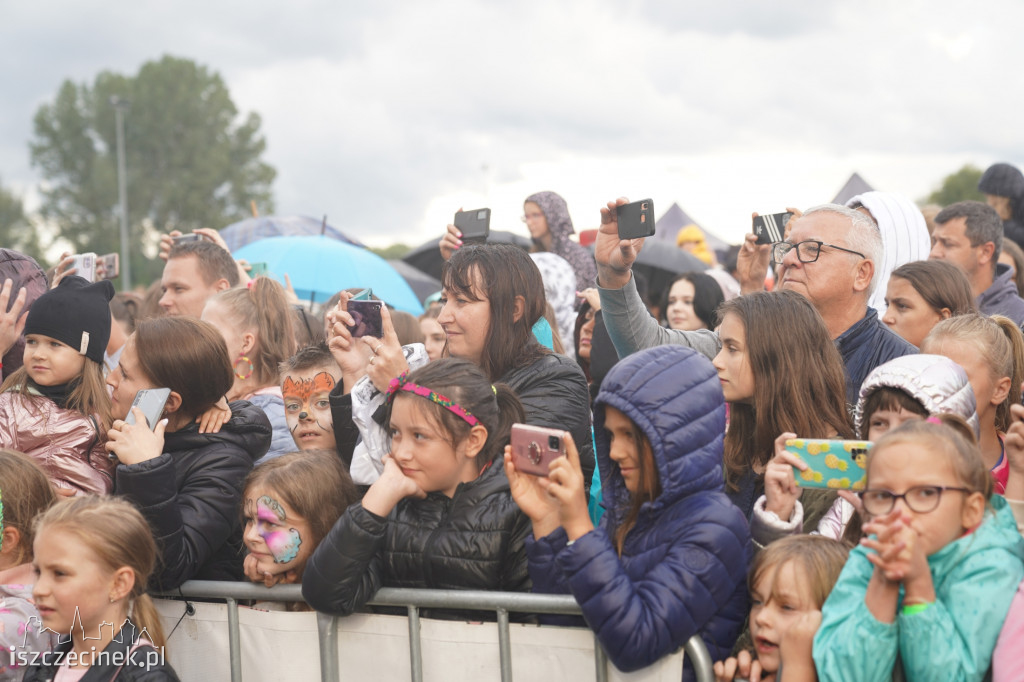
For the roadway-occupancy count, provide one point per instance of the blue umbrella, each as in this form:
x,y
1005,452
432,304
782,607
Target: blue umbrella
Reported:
x,y
247,231
319,267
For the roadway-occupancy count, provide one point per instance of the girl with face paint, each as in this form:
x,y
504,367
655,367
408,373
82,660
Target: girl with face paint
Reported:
x,y
289,504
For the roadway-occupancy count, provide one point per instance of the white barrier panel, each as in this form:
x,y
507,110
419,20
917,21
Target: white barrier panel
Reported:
x,y
278,645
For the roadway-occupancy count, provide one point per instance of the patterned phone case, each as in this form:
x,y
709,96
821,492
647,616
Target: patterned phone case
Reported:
x,y
836,464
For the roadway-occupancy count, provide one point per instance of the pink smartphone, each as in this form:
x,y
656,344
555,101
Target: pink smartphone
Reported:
x,y
535,447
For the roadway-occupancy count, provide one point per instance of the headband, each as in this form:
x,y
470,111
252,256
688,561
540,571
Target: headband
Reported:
x,y
401,383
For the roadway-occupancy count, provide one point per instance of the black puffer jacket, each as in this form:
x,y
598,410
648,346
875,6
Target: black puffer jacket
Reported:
x,y
145,664
474,540
191,496
554,393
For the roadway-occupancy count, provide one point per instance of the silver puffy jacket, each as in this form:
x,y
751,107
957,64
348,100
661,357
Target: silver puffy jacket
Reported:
x,y
935,381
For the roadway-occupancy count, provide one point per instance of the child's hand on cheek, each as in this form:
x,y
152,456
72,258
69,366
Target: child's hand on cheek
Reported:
x,y
259,574
796,644
392,487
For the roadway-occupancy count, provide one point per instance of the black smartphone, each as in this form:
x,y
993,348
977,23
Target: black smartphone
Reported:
x,y
151,401
771,228
366,319
636,219
474,225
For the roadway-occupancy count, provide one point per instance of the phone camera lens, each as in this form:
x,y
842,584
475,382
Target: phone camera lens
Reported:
x,y
552,442
533,452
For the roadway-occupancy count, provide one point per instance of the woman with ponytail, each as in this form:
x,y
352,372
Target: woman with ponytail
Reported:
x,y
93,557
256,323
991,351
441,515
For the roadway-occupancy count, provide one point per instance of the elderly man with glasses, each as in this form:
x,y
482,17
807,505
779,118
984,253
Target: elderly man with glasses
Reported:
x,y
829,256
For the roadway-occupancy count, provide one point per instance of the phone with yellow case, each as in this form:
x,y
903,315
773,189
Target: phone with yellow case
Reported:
x,y
836,464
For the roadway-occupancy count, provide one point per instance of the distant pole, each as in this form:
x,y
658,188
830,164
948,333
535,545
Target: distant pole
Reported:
x,y
121,106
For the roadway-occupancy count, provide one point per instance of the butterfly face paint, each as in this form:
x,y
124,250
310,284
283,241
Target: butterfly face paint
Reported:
x,y
307,408
282,542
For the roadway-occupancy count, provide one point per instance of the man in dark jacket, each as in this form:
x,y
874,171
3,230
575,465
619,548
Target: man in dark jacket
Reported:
x,y
829,257
969,234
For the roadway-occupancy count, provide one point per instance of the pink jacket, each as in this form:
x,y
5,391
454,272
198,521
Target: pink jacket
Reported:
x,y
65,443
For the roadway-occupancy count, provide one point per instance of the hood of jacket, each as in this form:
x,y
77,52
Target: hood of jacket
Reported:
x,y
1002,298
556,212
248,429
935,381
673,395
904,234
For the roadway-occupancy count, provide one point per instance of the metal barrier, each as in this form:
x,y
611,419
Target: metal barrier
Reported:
x,y
502,603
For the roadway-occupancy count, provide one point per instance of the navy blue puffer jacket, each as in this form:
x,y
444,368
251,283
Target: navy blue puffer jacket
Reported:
x,y
684,563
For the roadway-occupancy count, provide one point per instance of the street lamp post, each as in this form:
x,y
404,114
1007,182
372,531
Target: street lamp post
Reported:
x,y
121,106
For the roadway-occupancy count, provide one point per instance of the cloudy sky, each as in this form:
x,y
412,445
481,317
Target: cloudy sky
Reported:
x,y
389,116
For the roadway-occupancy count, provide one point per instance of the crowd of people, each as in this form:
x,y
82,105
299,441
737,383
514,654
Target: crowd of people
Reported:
x,y
296,449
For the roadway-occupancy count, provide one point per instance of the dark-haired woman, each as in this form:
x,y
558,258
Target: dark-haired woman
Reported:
x,y
1003,187
493,295
187,484
690,302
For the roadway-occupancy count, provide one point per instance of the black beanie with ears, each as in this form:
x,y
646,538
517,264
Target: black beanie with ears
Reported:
x,y
76,313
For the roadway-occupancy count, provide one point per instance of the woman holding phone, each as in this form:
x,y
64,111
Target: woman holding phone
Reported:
x,y
492,296
187,484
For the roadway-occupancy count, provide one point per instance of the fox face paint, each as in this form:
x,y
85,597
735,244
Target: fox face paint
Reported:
x,y
307,408
282,543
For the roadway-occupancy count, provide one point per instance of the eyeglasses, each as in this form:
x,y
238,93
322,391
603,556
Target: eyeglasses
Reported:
x,y
530,216
920,498
806,251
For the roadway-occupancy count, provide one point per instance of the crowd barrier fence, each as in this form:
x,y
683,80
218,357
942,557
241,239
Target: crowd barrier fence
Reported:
x,y
263,643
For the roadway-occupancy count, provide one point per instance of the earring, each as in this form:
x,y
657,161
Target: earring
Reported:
x,y
252,367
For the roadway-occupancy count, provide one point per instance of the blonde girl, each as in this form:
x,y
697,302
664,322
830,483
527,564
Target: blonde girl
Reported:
x,y
257,325
932,581
789,581
93,557
991,351
25,492
55,407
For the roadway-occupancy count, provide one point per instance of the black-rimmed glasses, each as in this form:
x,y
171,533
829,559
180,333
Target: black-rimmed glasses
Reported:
x,y
806,251
920,498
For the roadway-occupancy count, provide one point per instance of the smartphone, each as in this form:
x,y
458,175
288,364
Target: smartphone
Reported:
x,y
257,269
366,319
151,401
771,228
836,464
535,447
636,220
474,225
364,295
187,238
85,265
108,266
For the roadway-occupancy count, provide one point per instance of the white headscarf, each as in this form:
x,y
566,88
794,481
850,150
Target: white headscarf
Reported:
x,y
905,237
560,291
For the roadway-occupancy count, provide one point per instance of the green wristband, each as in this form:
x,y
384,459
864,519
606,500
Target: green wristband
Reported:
x,y
911,609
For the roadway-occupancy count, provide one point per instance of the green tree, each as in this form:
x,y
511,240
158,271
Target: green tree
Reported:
x,y
191,160
393,252
16,232
959,186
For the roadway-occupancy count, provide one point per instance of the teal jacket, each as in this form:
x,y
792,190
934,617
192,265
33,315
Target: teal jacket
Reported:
x,y
975,578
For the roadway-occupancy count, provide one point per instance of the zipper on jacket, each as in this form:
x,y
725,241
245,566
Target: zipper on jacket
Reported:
x,y
428,564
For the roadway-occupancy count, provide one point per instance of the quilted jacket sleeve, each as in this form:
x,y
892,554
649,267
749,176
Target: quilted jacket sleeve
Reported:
x,y
641,620
345,570
192,523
